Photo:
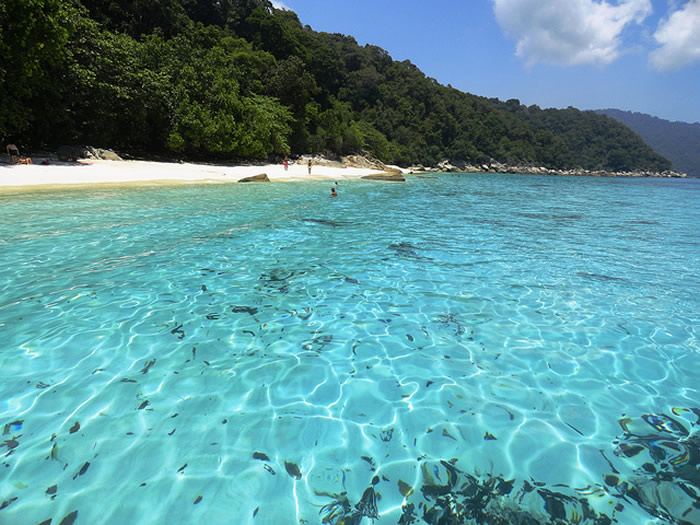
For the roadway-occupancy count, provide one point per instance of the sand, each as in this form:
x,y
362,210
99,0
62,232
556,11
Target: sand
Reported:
x,y
91,172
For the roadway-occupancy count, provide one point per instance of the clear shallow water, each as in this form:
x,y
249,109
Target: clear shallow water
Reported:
x,y
480,347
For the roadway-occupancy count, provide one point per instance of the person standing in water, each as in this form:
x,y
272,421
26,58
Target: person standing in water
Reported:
x,y
333,192
309,165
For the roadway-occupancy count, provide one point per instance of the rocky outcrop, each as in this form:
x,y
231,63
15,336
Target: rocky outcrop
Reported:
x,y
68,153
71,153
364,162
262,177
446,166
387,177
104,154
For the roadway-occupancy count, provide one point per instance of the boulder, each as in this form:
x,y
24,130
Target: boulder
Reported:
x,y
389,177
256,178
72,153
364,162
104,154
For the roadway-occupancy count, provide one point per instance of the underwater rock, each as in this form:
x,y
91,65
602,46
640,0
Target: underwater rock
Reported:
x,y
14,426
262,177
387,177
367,506
292,469
70,518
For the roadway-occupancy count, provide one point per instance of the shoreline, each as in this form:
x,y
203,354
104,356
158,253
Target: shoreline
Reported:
x,y
105,173
48,174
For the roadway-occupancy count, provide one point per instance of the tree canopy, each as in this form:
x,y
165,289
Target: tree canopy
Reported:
x,y
241,79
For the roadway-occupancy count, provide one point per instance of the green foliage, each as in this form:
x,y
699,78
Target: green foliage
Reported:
x,y
239,78
33,39
677,141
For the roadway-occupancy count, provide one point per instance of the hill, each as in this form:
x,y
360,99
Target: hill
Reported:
x,y
677,141
241,79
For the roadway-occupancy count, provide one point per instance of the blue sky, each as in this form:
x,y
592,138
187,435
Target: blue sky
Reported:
x,y
636,55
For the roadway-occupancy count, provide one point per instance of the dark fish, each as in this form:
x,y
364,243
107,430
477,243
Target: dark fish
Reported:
x,y
179,331
236,309
182,468
127,380
325,222
292,469
82,470
7,502
197,500
143,405
260,456
150,363
386,435
351,280
598,277
269,469
74,428
368,460
255,512
52,489
204,287
489,437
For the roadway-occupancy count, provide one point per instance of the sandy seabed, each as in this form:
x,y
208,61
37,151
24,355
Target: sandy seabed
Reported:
x,y
38,176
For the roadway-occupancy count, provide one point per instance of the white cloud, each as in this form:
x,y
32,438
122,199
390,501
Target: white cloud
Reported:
x,y
679,38
279,5
568,32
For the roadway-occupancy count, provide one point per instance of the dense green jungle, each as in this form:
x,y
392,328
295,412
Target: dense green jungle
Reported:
x,y
239,79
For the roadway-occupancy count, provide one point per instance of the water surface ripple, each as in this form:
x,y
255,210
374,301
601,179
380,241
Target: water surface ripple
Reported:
x,y
471,348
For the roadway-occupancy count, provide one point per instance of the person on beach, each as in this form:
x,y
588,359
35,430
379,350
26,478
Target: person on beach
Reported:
x,y
286,164
333,192
309,165
13,152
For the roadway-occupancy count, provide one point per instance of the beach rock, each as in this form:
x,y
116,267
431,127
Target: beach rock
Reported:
x,y
104,154
72,153
364,162
447,166
389,177
256,178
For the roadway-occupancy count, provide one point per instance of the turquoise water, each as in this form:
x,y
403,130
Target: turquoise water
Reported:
x,y
469,348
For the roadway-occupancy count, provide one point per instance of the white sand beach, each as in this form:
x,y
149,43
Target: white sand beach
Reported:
x,y
38,176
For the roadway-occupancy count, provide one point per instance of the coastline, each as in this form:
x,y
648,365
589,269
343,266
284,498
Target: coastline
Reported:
x,y
496,167
58,175
49,174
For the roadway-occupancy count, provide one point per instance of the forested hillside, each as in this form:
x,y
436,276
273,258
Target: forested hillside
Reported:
x,y
240,79
679,142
